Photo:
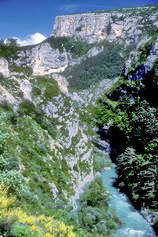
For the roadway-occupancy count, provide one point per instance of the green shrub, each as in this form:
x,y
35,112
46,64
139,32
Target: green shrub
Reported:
x,y
51,91
26,70
76,48
45,86
36,91
9,51
21,230
100,161
96,196
106,65
15,180
94,216
27,107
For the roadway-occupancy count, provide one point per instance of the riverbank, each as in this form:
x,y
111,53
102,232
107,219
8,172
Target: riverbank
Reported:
x,y
93,214
80,189
130,221
100,162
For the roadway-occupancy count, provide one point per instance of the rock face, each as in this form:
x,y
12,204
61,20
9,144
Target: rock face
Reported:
x,y
125,24
153,57
4,68
6,97
90,27
135,57
43,59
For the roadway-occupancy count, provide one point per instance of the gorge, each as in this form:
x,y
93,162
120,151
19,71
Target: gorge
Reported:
x,y
98,71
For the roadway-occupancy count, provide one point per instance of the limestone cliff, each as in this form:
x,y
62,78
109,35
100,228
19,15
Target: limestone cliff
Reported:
x,y
45,59
125,24
76,37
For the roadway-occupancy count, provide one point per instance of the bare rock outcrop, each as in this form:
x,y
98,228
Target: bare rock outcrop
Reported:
x,y
4,68
123,24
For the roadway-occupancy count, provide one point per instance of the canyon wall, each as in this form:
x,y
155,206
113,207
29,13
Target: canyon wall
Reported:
x,y
125,24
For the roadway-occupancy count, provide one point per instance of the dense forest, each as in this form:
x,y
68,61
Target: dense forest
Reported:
x,y
130,110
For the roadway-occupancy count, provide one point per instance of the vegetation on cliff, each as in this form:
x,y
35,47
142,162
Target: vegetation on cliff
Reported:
x,y
29,158
38,148
9,50
76,48
15,222
106,65
130,109
35,176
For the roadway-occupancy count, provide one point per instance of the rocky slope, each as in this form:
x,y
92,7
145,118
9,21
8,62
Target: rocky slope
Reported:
x,y
4,67
61,135
45,94
47,59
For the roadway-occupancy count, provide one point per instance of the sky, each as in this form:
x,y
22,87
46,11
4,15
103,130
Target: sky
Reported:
x,y
31,21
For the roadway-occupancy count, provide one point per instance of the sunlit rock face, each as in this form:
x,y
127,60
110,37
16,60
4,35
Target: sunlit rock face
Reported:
x,y
4,68
90,27
43,59
125,24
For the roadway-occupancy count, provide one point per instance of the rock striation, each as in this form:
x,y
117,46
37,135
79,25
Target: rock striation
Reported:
x,y
43,59
91,27
125,24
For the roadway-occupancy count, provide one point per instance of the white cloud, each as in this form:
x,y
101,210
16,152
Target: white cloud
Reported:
x,y
31,39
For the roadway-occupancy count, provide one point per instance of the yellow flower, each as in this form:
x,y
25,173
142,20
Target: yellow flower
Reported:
x,y
42,218
48,235
49,218
30,220
62,227
49,226
5,202
38,224
71,234
35,228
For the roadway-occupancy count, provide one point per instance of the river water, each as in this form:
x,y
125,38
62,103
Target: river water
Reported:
x,y
133,223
